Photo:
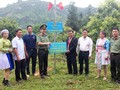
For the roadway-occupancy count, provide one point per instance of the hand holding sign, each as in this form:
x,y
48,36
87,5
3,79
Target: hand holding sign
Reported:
x,y
48,43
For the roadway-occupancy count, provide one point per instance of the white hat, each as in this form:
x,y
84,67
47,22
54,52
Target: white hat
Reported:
x,y
4,30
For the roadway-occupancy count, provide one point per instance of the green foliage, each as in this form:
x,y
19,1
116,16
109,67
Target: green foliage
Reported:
x,y
108,16
36,29
9,24
85,14
31,12
73,20
77,18
35,12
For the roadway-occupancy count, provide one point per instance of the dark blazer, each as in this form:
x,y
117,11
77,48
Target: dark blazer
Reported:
x,y
72,46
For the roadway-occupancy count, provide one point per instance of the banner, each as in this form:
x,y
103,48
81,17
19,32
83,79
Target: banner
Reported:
x,y
50,6
60,5
55,28
57,48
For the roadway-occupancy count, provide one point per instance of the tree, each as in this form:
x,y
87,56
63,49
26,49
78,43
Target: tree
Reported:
x,y
72,18
108,16
9,24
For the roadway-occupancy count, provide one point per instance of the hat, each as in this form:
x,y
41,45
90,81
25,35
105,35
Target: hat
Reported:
x,y
44,26
4,30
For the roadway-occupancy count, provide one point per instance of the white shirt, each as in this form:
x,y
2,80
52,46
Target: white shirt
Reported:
x,y
85,44
19,45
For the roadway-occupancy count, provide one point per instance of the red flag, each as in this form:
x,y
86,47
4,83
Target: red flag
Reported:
x,y
60,5
50,6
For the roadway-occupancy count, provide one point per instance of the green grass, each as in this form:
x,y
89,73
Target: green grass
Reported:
x,y
61,80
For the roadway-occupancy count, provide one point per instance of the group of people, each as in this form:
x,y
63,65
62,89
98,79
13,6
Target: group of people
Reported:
x,y
20,50
107,52
23,48
82,48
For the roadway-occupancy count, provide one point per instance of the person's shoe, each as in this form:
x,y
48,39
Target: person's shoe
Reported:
x,y
3,80
35,74
117,81
69,73
86,75
97,77
47,75
6,83
75,74
42,77
113,80
25,79
19,81
28,76
80,73
104,78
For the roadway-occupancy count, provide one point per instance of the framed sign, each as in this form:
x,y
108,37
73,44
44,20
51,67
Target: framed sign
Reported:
x,y
55,28
57,48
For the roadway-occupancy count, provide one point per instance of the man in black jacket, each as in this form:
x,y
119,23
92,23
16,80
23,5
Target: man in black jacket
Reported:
x,y
71,53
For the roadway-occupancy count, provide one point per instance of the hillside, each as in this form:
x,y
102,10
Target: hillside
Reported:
x,y
35,12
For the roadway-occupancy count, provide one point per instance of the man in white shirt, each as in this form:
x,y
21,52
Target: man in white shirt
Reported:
x,y
84,49
19,55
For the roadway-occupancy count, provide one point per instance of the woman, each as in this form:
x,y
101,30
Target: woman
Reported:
x,y
6,61
102,54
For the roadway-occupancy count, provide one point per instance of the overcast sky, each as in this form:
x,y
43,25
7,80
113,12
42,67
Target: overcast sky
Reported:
x,y
79,3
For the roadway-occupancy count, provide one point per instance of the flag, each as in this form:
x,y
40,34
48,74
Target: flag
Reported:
x,y
60,5
50,6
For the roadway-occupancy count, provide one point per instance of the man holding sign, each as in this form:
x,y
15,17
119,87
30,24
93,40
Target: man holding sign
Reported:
x,y
71,53
43,44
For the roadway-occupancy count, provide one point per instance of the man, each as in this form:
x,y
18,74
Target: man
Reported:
x,y
115,55
19,55
43,44
84,48
30,44
71,53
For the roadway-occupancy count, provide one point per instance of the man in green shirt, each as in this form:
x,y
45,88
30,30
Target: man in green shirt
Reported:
x,y
115,55
43,45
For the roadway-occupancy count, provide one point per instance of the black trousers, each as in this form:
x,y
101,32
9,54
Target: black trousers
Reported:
x,y
84,56
20,69
72,64
32,53
115,66
43,61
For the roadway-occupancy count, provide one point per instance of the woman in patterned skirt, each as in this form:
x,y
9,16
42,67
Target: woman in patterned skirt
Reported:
x,y
102,54
6,61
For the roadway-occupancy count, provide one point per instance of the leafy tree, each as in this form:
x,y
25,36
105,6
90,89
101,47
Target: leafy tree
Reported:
x,y
108,16
72,18
9,24
36,28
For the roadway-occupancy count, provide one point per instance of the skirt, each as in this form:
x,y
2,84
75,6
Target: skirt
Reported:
x,y
100,59
6,61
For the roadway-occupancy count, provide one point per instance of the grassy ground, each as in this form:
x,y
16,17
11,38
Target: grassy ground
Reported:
x,y
61,80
